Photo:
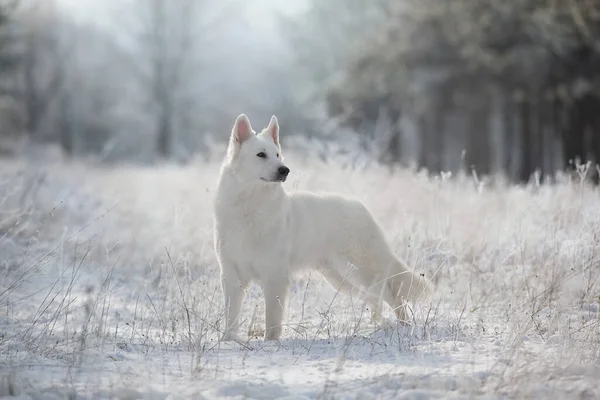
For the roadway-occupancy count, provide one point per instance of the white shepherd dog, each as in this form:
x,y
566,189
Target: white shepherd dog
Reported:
x,y
264,234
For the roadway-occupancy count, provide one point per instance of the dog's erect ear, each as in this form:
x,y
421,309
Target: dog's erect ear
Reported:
x,y
242,130
273,130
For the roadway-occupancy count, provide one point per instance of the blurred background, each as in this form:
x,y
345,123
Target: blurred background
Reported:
x,y
496,87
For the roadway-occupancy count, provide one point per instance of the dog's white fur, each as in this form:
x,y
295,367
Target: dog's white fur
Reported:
x,y
264,234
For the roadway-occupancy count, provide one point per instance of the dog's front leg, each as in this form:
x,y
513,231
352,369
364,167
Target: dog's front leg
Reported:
x,y
276,295
233,292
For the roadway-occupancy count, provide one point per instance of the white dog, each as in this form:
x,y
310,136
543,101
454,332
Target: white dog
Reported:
x,y
264,234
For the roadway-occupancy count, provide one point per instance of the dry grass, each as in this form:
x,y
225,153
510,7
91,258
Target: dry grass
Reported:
x,y
100,263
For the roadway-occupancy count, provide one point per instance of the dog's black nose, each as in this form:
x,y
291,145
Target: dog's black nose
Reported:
x,y
284,171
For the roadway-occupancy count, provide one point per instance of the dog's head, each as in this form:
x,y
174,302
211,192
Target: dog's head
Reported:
x,y
257,157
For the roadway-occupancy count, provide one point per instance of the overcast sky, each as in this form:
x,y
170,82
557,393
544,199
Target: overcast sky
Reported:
x,y
100,11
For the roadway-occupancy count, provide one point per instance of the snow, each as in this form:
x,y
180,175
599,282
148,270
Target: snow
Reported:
x,y
110,289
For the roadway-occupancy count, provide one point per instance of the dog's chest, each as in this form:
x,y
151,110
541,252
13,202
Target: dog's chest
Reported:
x,y
251,233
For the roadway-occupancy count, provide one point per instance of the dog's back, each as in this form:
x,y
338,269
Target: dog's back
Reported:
x,y
326,224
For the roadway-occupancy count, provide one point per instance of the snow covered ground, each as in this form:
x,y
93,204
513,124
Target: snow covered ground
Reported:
x,y
109,289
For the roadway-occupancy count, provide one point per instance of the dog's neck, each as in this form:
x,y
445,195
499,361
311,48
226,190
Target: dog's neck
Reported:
x,y
261,190
252,192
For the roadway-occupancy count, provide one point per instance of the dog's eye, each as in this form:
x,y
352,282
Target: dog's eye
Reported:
x,y
261,155
277,155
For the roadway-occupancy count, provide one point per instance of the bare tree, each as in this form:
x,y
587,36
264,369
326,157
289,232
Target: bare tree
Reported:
x,y
170,38
540,58
168,45
329,35
45,51
66,86
9,62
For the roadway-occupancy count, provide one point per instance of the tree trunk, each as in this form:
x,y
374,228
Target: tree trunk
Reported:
x,y
557,112
510,115
525,169
423,134
536,105
593,116
573,149
165,141
32,102
497,126
437,140
66,125
478,154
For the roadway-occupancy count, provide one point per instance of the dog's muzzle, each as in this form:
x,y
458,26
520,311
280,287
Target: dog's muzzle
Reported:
x,y
282,173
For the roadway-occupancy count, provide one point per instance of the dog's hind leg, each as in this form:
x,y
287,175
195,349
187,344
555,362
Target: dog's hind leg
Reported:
x,y
346,286
404,285
376,282
378,295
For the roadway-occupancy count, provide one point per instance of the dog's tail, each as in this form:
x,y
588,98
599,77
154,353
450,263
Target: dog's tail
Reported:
x,y
407,285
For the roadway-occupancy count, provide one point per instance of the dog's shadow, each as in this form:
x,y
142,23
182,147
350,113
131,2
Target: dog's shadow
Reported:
x,y
399,346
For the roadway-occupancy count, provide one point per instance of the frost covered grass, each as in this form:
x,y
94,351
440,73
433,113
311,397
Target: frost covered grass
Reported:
x,y
109,288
